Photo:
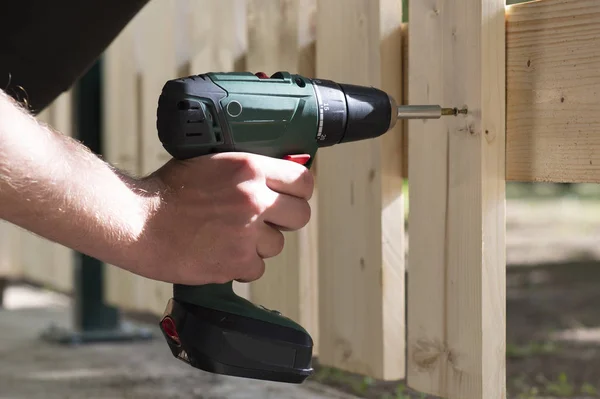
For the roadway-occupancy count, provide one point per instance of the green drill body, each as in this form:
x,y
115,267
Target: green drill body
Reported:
x,y
209,326
276,114
271,117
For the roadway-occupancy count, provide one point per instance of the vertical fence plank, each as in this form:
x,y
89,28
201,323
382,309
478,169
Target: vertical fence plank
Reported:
x,y
158,63
121,79
392,199
10,257
405,86
456,285
361,223
280,39
214,44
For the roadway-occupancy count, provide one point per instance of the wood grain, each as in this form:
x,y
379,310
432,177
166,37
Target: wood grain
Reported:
x,y
456,285
553,84
361,224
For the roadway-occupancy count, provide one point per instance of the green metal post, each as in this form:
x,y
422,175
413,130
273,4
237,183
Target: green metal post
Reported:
x,y
94,320
3,284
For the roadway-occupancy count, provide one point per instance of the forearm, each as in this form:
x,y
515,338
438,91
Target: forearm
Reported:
x,y
55,187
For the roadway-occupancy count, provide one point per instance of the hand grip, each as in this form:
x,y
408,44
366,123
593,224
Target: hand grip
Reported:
x,y
221,297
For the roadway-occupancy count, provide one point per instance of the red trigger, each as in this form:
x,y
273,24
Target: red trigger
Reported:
x,y
261,75
302,159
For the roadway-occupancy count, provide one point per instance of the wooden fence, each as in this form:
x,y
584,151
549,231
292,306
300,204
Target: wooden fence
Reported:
x,y
530,76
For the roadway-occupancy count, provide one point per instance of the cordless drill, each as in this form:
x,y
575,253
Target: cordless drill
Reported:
x,y
285,116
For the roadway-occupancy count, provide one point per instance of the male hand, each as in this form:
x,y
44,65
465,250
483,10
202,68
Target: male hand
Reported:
x,y
221,215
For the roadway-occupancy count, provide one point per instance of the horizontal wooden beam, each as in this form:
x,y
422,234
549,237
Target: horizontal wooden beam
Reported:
x,y
553,85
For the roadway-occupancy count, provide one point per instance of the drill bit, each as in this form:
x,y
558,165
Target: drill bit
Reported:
x,y
427,111
421,112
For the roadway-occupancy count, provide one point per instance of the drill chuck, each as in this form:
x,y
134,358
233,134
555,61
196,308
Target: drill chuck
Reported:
x,y
351,113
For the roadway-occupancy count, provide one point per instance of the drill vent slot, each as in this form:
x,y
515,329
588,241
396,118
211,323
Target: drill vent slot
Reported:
x,y
185,105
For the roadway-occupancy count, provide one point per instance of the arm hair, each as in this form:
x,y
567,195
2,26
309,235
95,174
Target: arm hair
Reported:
x,y
54,186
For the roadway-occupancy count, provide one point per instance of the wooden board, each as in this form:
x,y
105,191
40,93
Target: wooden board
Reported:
x,y
456,285
281,38
405,87
553,84
157,52
361,224
121,141
10,254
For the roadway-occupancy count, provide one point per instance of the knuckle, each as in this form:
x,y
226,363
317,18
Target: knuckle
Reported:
x,y
248,169
251,201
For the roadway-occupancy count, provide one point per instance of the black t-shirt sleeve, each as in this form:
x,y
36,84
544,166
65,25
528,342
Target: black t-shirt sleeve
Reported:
x,y
45,46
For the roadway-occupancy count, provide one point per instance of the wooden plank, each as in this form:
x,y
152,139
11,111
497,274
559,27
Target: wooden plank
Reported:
x,y
553,83
456,285
10,256
121,136
361,229
215,40
405,99
280,39
158,63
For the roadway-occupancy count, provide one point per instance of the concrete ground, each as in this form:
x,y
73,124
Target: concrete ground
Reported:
x,y
32,369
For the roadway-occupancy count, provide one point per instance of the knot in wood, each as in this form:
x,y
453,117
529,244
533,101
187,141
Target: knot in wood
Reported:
x,y
426,354
490,135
